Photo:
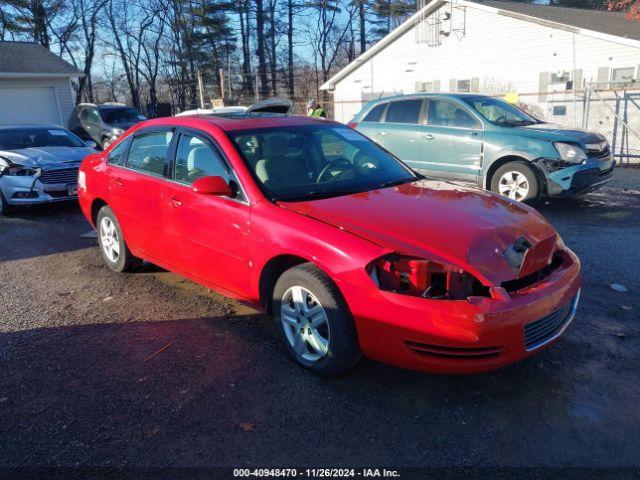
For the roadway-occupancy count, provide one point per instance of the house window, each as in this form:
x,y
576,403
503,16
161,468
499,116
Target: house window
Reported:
x,y
623,76
464,86
560,77
425,87
559,110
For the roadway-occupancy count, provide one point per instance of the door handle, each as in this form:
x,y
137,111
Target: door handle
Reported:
x,y
383,133
117,183
428,136
175,202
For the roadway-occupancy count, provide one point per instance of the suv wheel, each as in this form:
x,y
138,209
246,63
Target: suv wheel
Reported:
x,y
314,322
105,143
115,252
515,180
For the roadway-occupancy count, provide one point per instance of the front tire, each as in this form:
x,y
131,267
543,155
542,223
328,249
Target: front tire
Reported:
x,y
115,252
105,143
314,321
5,208
517,181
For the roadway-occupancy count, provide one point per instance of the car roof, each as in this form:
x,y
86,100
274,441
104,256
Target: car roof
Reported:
x,y
427,95
241,121
15,126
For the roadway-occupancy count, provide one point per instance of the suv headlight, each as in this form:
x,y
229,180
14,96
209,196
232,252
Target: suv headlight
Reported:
x,y
424,278
570,153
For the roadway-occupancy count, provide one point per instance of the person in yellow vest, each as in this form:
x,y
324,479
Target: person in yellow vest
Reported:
x,y
314,109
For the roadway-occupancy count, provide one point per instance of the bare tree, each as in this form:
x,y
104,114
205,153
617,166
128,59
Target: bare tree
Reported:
x,y
89,12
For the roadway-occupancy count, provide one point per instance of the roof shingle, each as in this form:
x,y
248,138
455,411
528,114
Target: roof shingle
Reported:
x,y
612,23
32,58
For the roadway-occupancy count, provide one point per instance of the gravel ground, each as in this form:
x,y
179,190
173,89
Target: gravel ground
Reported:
x,y
84,384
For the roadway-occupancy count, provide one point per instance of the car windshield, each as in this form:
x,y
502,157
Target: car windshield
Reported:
x,y
120,115
18,138
500,112
304,162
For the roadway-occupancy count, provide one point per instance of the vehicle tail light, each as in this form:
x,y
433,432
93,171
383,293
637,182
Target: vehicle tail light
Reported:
x,y
352,125
424,278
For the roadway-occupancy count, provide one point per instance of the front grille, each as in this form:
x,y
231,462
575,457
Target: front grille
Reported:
x,y
463,353
547,328
62,175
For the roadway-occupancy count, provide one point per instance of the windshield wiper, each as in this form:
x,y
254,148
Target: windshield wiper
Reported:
x,y
317,194
393,183
516,123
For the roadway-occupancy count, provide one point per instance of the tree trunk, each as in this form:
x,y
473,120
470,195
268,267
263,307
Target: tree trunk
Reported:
x,y
272,40
363,26
290,47
262,66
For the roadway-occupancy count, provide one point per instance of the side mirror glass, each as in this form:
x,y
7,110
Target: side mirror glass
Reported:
x,y
212,186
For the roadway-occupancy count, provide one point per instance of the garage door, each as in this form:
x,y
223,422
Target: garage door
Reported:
x,y
28,105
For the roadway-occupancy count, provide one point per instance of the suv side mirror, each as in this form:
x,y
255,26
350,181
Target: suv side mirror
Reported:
x,y
216,186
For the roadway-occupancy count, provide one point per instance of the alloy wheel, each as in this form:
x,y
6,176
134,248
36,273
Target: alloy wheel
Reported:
x,y
514,185
109,239
305,323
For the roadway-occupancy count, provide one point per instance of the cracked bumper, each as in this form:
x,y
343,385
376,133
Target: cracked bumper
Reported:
x,y
19,190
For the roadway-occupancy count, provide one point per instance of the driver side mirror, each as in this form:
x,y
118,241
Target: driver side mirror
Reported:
x,y
216,186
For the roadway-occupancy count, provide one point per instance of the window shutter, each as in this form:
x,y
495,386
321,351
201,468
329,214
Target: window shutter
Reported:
x,y
453,85
475,84
543,86
603,76
577,79
436,85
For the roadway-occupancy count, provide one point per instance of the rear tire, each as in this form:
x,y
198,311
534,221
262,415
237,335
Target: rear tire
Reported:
x,y
317,331
517,181
115,252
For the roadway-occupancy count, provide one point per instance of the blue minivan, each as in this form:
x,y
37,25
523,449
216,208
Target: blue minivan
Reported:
x,y
487,141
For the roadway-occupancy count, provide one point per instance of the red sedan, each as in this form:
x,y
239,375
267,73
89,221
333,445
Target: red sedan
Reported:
x,y
351,251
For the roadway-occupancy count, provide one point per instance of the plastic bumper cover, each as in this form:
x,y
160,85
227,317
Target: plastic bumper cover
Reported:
x,y
459,337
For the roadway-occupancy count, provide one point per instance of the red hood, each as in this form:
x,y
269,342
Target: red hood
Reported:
x,y
467,227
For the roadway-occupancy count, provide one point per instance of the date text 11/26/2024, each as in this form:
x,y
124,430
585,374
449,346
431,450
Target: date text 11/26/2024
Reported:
x,y
316,473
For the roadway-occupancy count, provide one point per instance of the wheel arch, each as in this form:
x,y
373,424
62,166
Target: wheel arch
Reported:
x,y
96,205
513,157
271,272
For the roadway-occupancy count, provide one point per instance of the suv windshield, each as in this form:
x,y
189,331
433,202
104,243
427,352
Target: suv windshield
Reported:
x,y
304,162
499,111
120,115
18,138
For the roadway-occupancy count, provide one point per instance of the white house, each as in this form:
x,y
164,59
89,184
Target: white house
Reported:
x,y
544,58
35,85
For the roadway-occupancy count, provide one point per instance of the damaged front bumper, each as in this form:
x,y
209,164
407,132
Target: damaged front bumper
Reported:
x,y
28,190
577,179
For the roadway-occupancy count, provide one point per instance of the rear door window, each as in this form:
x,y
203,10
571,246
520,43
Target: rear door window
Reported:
x,y
118,156
375,115
148,152
404,111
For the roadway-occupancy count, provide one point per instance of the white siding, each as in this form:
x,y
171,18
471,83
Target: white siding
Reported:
x,y
63,93
503,53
